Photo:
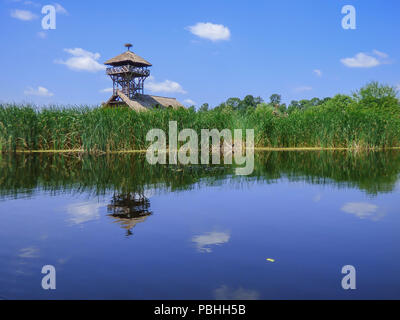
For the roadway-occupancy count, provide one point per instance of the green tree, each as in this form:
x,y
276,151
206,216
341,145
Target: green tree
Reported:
x,y
204,107
315,102
275,100
234,103
249,102
293,106
378,96
282,108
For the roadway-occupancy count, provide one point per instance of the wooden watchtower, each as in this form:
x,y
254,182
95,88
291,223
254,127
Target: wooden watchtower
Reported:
x,y
128,72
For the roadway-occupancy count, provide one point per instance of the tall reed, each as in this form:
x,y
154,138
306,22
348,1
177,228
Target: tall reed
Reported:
x,y
341,122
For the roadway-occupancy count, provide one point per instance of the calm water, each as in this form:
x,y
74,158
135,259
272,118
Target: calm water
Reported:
x,y
115,227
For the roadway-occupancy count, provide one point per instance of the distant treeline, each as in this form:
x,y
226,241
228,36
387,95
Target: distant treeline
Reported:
x,y
367,119
275,102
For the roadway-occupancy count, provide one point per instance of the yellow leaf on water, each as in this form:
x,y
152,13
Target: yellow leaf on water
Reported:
x,y
271,260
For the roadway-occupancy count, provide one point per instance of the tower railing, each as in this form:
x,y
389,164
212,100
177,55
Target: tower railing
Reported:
x,y
128,69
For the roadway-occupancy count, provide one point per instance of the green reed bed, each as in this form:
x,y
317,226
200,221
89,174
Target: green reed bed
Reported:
x,y
321,128
367,120
99,129
23,128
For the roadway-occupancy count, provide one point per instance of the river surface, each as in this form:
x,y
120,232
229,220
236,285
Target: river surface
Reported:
x,y
115,227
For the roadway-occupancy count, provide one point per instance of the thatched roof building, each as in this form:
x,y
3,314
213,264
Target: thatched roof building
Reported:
x,y
128,72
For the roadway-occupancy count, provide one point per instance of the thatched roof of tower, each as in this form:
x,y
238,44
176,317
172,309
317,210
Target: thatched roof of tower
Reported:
x,y
143,102
128,57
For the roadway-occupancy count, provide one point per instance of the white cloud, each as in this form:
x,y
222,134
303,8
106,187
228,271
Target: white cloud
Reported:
x,y
82,60
226,293
60,9
189,102
84,212
318,72
366,60
29,253
166,86
363,210
303,89
40,92
361,60
380,54
42,34
210,31
24,15
212,238
106,90
35,4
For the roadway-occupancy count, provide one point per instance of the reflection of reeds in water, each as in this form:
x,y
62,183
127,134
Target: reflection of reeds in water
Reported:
x,y
374,172
128,210
21,175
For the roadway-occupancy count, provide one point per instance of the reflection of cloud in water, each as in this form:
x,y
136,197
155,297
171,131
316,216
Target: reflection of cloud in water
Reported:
x,y
363,210
29,253
84,211
62,260
44,237
317,197
212,238
226,293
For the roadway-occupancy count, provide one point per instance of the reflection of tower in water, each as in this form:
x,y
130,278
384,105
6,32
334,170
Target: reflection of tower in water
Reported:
x,y
128,210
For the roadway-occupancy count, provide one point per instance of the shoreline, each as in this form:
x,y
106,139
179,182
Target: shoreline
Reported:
x,y
272,149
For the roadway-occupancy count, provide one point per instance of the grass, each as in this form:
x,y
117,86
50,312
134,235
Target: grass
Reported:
x,y
105,130
341,123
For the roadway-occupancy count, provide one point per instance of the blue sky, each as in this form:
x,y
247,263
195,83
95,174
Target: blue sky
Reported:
x,y
201,51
